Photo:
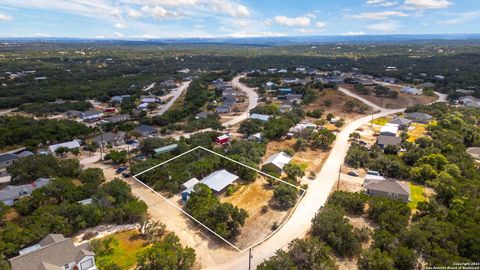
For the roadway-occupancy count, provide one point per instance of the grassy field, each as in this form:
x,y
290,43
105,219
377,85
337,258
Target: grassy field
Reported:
x,y
124,250
417,196
381,121
418,132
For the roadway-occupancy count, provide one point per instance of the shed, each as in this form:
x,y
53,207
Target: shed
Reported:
x,y
261,117
222,139
69,145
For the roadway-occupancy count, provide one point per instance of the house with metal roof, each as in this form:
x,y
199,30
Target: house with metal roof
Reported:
x,y
276,162
166,149
91,115
219,180
117,118
261,117
474,152
69,145
55,252
419,117
223,109
389,130
389,188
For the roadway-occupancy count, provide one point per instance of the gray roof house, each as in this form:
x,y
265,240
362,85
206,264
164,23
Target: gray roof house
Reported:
x,y
91,115
388,188
11,194
276,162
55,252
411,90
146,130
110,138
401,122
223,109
419,117
117,118
7,160
384,140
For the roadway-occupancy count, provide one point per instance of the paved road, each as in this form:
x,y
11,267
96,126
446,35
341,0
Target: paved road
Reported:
x,y
316,196
252,97
178,93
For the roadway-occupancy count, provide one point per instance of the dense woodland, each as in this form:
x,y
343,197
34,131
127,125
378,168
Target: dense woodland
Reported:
x,y
23,131
443,230
76,72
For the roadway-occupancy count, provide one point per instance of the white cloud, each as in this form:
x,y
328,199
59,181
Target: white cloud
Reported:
x,y
4,17
320,24
379,15
225,6
295,21
353,33
460,18
134,14
388,26
381,3
159,12
427,4
255,34
120,26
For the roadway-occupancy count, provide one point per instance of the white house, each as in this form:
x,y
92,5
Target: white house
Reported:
x,y
276,162
69,145
411,90
389,130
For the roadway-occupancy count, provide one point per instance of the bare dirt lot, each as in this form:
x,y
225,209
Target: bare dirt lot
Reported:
x,y
403,100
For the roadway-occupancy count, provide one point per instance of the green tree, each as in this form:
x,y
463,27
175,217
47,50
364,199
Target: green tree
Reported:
x,y
285,195
375,260
166,255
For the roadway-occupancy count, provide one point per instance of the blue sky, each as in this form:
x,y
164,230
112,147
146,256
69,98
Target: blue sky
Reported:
x,y
234,18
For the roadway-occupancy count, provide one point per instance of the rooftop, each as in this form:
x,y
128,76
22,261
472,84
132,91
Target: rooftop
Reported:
x,y
278,159
219,180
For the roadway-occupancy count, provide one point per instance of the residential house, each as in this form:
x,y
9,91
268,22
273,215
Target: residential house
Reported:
x,y
203,115
291,80
68,145
117,118
55,252
7,160
293,99
411,90
439,77
270,85
283,70
465,91
223,109
149,99
470,102
146,130
216,181
168,84
260,117
388,189
301,69
389,130
10,194
91,115
285,108
388,79
302,128
276,162
72,114
385,140
142,106
403,123
419,117
110,138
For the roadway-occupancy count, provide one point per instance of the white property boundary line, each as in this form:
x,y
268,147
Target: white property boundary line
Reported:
x,y
210,230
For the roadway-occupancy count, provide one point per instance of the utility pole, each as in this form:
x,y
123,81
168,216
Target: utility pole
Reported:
x,y
128,156
250,257
338,182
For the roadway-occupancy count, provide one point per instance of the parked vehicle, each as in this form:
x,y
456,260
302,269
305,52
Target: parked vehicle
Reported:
x,y
121,169
353,173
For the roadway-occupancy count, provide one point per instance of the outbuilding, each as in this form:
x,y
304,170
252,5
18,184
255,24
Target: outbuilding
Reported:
x,y
275,163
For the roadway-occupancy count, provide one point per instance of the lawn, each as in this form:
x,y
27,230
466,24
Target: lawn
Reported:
x,y
417,195
418,131
382,121
124,250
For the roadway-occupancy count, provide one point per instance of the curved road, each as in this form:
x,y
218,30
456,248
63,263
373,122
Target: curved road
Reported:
x,y
252,100
178,93
315,197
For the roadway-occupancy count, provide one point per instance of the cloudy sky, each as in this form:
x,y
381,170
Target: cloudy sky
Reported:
x,y
234,18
